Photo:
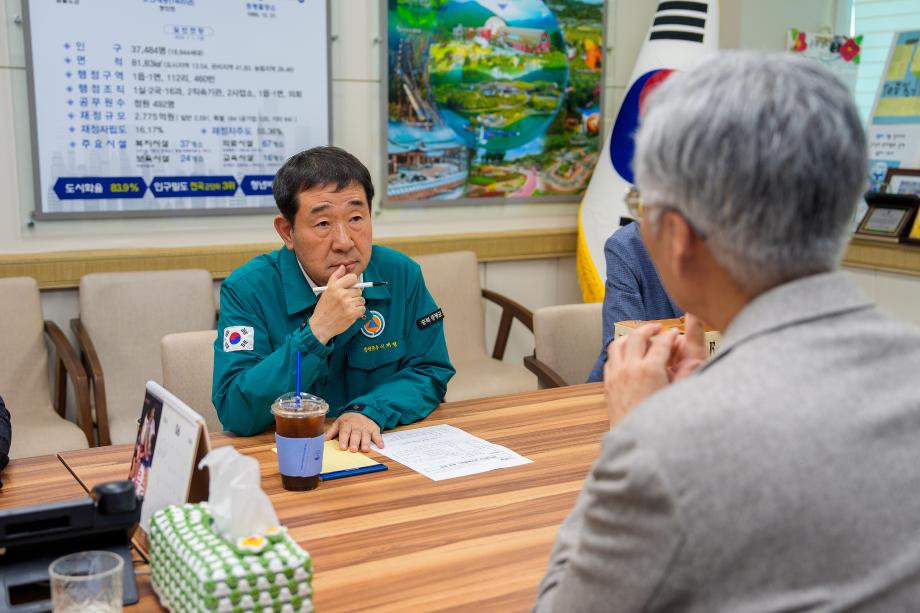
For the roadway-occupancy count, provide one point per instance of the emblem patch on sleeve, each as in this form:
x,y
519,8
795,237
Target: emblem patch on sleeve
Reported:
x,y
429,319
238,338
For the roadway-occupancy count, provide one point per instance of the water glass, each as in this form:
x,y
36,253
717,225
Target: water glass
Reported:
x,y
89,582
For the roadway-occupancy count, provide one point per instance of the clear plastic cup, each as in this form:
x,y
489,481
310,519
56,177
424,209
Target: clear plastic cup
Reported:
x,y
299,439
88,581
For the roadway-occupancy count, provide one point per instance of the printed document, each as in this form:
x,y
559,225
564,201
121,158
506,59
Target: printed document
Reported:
x,y
444,452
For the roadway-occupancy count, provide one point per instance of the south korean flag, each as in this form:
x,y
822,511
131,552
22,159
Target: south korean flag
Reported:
x,y
238,338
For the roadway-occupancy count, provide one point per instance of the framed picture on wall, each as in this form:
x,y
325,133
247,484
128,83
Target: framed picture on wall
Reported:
x,y
491,102
167,112
903,181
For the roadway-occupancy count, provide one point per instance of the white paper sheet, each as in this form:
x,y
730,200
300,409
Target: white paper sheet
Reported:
x,y
444,452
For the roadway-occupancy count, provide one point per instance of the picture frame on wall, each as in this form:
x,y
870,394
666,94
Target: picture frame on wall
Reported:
x,y
491,103
166,114
903,181
888,217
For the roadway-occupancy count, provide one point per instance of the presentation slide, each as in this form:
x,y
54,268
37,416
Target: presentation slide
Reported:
x,y
166,107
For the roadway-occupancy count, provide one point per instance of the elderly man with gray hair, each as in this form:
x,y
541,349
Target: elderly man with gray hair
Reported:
x,y
782,474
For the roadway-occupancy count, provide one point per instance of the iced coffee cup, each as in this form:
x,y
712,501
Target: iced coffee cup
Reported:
x,y
299,439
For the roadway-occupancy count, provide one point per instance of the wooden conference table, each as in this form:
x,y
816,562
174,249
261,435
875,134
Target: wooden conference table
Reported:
x,y
396,540
37,480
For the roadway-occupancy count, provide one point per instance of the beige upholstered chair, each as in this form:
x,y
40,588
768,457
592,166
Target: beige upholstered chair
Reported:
x,y
567,341
38,427
453,280
123,316
188,368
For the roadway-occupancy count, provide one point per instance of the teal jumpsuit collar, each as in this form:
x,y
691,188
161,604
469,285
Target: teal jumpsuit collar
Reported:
x,y
298,296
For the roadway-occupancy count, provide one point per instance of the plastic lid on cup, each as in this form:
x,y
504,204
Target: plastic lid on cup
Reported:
x,y
307,405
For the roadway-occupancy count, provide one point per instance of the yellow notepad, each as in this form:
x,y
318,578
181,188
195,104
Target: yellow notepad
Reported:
x,y
338,463
334,459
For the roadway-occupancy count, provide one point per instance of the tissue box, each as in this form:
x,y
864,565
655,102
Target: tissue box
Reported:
x,y
194,569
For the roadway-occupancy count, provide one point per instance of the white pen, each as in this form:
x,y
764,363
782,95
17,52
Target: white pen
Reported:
x,y
320,290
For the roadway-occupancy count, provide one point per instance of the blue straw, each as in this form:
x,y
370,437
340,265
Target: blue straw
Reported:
x,y
298,378
303,325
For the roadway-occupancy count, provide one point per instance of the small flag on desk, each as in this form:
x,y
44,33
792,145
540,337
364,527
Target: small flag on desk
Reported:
x,y
681,34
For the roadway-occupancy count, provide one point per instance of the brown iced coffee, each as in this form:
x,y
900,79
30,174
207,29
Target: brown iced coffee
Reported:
x,y
299,439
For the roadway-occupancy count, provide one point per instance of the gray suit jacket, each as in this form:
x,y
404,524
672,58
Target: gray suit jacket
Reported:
x,y
783,476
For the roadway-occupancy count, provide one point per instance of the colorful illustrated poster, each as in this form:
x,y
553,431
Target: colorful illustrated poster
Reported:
x,y
492,101
894,125
839,53
169,107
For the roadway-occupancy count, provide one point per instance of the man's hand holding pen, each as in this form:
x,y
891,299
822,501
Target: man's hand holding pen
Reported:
x,y
339,306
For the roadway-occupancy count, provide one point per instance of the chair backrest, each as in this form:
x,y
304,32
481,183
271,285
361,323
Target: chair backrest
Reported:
x,y
24,375
188,368
126,315
567,338
453,280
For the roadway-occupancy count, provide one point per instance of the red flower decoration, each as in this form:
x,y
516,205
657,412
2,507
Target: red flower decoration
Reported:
x,y
800,44
849,50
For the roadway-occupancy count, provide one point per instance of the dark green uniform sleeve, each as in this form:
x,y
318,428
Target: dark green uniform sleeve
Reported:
x,y
246,382
419,385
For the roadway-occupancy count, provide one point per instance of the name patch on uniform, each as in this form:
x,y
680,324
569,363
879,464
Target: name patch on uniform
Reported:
x,y
429,319
239,338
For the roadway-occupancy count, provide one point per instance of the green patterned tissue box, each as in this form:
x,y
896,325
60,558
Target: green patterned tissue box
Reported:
x,y
194,569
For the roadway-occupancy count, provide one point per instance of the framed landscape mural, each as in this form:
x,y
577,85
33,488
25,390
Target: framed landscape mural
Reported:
x,y
492,101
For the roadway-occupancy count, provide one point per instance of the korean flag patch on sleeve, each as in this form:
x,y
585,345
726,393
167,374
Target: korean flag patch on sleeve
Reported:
x,y
238,338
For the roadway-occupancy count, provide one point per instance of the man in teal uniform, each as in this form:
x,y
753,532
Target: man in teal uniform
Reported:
x,y
377,355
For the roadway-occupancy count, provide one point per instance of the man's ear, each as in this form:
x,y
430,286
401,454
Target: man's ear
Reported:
x,y
285,230
684,242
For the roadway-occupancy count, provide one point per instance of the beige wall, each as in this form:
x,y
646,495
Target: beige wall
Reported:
x,y
764,24
897,294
